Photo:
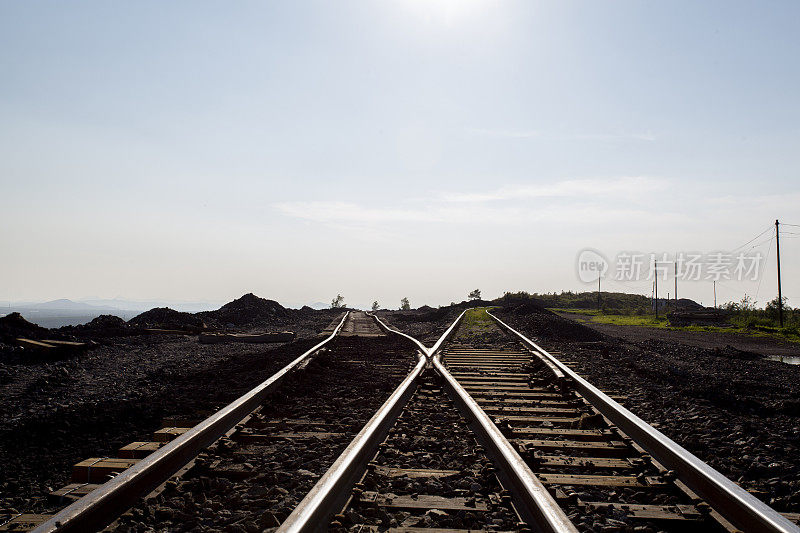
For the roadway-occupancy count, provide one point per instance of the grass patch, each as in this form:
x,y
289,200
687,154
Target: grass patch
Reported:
x,y
477,319
575,311
476,325
631,320
790,334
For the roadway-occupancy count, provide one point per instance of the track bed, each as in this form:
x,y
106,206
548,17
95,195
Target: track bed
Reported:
x,y
429,473
252,479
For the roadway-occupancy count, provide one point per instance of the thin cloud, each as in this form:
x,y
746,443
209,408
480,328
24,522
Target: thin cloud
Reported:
x,y
626,186
510,134
324,211
334,214
590,201
546,136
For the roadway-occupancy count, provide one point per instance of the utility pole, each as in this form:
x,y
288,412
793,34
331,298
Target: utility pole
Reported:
x,y
676,285
778,253
715,294
598,293
652,300
655,287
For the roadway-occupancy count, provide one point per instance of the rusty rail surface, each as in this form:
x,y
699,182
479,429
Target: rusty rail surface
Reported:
x,y
732,502
101,506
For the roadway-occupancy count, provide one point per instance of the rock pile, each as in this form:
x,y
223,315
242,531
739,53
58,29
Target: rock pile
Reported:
x,y
547,325
249,310
102,326
166,318
14,325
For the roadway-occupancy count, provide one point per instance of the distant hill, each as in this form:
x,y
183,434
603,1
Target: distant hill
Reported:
x,y
64,304
145,305
64,312
109,304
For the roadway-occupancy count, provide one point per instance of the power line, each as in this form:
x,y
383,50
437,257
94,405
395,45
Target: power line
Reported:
x,y
766,260
754,238
761,243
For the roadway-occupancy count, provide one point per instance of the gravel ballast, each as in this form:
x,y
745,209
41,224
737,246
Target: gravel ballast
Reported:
x,y
733,409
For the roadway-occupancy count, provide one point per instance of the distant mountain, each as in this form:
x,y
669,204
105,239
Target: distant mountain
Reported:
x,y
146,305
64,305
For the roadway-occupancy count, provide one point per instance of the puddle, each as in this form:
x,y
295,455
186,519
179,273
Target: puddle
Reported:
x,y
788,359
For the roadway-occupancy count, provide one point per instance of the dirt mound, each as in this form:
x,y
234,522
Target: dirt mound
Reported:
x,y
548,325
247,310
14,325
102,326
529,308
106,322
166,318
423,314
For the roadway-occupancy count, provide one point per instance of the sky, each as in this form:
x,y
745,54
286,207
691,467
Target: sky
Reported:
x,y
197,151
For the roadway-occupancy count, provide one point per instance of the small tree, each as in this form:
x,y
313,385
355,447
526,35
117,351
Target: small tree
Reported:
x,y
747,304
375,306
338,302
771,309
475,295
405,305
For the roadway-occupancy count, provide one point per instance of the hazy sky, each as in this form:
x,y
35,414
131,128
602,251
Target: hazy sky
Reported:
x,y
420,148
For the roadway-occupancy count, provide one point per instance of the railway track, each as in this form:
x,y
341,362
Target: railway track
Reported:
x,y
487,432
429,472
534,449
597,474
253,477
299,420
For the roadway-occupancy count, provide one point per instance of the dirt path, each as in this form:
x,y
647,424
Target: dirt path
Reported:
x,y
703,339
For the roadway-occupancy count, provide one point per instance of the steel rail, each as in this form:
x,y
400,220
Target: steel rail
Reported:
x,y
387,329
331,491
313,513
101,506
427,351
735,504
447,334
538,508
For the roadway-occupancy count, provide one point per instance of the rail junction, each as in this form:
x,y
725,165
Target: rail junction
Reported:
x,y
370,430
